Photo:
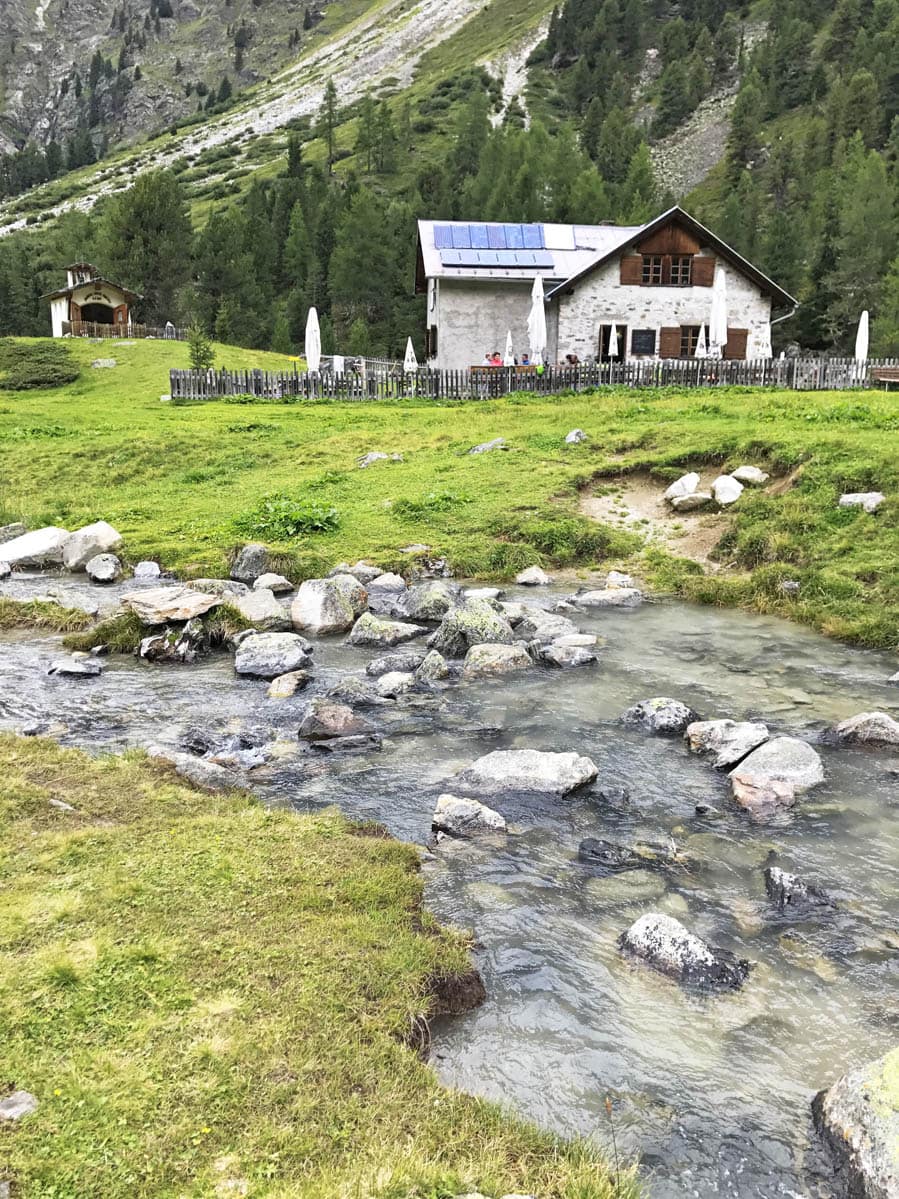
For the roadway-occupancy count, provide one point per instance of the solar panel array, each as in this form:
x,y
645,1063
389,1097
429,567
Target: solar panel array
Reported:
x,y
521,246
522,259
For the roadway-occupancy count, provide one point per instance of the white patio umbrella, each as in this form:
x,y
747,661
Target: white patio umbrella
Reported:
x,y
410,362
613,342
313,344
509,356
861,338
537,323
718,317
702,349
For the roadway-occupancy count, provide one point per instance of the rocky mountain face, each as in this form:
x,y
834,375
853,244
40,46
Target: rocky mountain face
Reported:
x,y
122,68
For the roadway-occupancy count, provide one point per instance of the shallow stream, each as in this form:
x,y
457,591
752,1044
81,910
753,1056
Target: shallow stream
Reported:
x,y
713,1092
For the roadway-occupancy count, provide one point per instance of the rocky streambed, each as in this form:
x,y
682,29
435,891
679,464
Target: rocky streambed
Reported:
x,y
595,886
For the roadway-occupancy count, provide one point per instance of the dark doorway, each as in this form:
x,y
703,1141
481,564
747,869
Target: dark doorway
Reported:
x,y
97,314
605,334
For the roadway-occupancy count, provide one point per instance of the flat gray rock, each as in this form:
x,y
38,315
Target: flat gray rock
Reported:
x,y
262,609
498,443
859,1117
869,500
77,667
160,605
565,656
17,1105
394,683
373,630
691,502
267,655
610,597
40,547
750,476
529,770
487,660
460,817
726,742
274,583
322,606
201,773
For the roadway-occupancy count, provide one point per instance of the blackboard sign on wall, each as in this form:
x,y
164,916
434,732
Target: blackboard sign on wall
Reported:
x,y
643,341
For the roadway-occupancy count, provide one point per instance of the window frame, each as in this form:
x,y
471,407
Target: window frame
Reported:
x,y
689,336
653,263
667,270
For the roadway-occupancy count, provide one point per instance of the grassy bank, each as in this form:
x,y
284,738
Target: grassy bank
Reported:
x,y
202,993
186,483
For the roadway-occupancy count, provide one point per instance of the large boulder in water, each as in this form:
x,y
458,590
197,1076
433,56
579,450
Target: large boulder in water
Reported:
x,y
431,600
867,728
488,661
160,605
404,660
324,606
529,770
325,718
610,597
612,858
104,568
663,943
859,1117
372,630
726,742
544,627
88,542
774,774
473,623
386,594
660,715
267,655
40,547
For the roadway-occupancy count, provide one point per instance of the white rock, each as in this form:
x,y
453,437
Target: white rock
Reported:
x,y
352,591
203,774
560,655
774,774
272,582
750,476
689,503
88,542
363,571
159,605
661,715
685,485
321,606
869,500
147,570
868,728
615,578
17,1105
486,660
529,770
40,547
385,593
668,947
5,570
610,597
460,817
262,609
104,568
545,627
575,437
727,741
394,683
283,686
478,593
726,490
533,577
498,443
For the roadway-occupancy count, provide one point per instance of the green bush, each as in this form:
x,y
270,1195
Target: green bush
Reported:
x,y
428,505
35,364
281,517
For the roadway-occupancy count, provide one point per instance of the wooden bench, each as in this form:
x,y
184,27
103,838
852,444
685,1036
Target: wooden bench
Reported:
x,y
887,375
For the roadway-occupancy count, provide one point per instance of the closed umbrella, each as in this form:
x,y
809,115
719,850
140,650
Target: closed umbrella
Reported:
x,y
313,346
613,342
537,323
702,349
410,362
509,357
718,317
861,338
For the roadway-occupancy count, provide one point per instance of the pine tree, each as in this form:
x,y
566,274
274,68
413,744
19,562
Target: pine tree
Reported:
x,y
743,139
674,98
366,132
885,332
326,125
199,348
282,343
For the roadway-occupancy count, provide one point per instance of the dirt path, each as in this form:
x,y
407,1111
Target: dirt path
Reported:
x,y
634,502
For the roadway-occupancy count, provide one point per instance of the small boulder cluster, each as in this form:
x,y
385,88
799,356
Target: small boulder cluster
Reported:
x,y
684,494
89,550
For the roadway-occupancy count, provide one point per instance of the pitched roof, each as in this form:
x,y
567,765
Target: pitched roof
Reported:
x,y
96,280
704,235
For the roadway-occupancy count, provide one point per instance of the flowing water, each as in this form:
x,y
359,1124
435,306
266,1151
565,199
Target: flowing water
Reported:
x,y
712,1092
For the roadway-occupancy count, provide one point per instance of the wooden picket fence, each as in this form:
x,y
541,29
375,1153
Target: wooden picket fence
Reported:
x,y
123,332
801,374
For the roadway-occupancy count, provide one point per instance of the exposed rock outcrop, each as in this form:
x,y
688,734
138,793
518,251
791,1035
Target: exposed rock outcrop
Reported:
x,y
529,770
663,943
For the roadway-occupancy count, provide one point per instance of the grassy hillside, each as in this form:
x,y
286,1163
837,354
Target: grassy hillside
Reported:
x,y
187,483
212,998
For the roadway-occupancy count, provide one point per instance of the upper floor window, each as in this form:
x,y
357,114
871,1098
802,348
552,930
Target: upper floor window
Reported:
x,y
664,270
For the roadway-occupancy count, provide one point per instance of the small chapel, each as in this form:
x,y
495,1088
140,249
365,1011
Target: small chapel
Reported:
x,y
88,300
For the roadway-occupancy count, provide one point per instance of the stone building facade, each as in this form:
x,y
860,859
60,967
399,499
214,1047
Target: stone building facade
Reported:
x,y
651,283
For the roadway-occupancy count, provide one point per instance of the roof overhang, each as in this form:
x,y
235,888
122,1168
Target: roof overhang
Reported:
x,y
676,214
97,281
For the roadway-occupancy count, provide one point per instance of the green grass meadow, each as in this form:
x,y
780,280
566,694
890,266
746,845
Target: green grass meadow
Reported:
x,y
185,484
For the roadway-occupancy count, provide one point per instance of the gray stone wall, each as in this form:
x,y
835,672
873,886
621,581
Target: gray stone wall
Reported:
x,y
601,299
473,319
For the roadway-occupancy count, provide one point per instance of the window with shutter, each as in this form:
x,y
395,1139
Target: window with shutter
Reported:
x,y
736,343
669,342
703,272
632,269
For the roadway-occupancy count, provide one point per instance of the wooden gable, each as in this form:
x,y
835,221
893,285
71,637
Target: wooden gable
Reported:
x,y
672,238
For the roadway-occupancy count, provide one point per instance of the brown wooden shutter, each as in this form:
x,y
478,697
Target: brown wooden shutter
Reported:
x,y
669,342
632,269
703,272
736,343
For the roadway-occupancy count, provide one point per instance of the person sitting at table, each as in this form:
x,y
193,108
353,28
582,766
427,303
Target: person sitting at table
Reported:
x,y
525,360
496,358
572,360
